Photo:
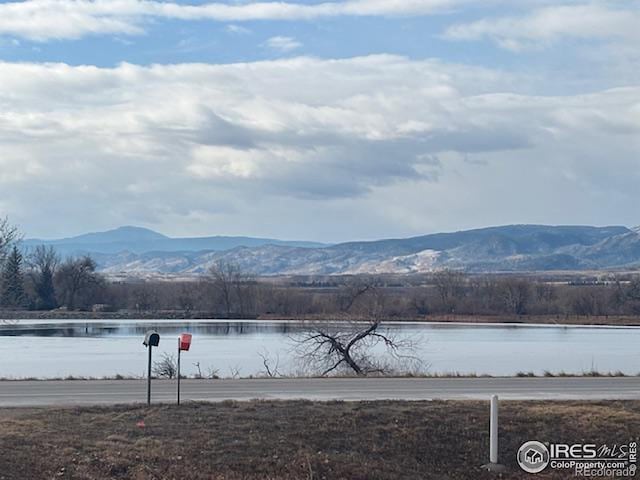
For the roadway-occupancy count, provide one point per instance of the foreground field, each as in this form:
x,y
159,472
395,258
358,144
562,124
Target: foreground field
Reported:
x,y
294,440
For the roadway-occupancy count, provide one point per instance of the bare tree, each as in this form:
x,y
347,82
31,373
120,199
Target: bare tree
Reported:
x,y
270,365
43,262
516,294
186,300
78,283
352,347
234,370
630,296
484,294
234,288
145,297
166,367
352,291
450,285
633,290
222,276
420,303
588,301
9,235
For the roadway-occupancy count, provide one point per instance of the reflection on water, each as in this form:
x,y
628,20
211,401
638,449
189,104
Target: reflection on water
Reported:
x,y
96,348
128,329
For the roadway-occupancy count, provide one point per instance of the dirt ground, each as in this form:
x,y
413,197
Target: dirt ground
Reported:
x,y
295,439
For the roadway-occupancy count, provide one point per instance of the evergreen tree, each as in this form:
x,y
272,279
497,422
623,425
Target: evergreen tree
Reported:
x,y
12,294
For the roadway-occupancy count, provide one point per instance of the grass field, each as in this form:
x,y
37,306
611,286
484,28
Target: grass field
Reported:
x,y
295,440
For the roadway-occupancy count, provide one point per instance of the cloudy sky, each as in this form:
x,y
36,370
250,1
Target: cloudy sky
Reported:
x,y
353,119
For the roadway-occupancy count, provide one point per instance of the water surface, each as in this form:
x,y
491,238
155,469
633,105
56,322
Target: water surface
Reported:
x,y
50,349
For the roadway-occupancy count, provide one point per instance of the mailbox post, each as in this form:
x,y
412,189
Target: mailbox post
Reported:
x,y
184,342
151,339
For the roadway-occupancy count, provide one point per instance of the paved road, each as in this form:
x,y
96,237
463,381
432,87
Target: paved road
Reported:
x,y
41,393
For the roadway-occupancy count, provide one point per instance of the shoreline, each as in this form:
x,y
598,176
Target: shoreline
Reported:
x,y
28,322
427,376
439,319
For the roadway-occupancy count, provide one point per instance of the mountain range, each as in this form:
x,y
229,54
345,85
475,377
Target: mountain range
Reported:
x,y
142,240
512,248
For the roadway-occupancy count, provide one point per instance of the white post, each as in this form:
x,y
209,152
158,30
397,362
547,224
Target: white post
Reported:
x,y
493,447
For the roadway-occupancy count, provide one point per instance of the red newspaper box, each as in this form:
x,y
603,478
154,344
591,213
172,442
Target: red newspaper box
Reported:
x,y
184,342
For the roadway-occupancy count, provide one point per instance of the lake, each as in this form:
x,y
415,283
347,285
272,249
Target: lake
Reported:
x,y
48,349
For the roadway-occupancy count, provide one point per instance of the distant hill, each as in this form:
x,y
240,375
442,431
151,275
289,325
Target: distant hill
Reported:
x,y
512,248
142,240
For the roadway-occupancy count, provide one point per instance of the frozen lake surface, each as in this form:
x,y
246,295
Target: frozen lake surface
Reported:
x,y
49,349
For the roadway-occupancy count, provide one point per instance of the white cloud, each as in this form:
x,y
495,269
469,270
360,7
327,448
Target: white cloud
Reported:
x,y
69,19
272,143
283,44
545,26
42,20
237,29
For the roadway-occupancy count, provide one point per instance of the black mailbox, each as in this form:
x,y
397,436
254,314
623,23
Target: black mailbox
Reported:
x,y
151,339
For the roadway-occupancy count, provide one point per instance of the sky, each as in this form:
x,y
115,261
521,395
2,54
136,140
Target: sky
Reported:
x,y
326,121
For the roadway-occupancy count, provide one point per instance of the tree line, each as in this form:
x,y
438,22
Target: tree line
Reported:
x,y
227,292
40,280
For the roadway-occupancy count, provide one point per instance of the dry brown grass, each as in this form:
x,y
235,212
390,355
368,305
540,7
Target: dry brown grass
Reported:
x,y
293,440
